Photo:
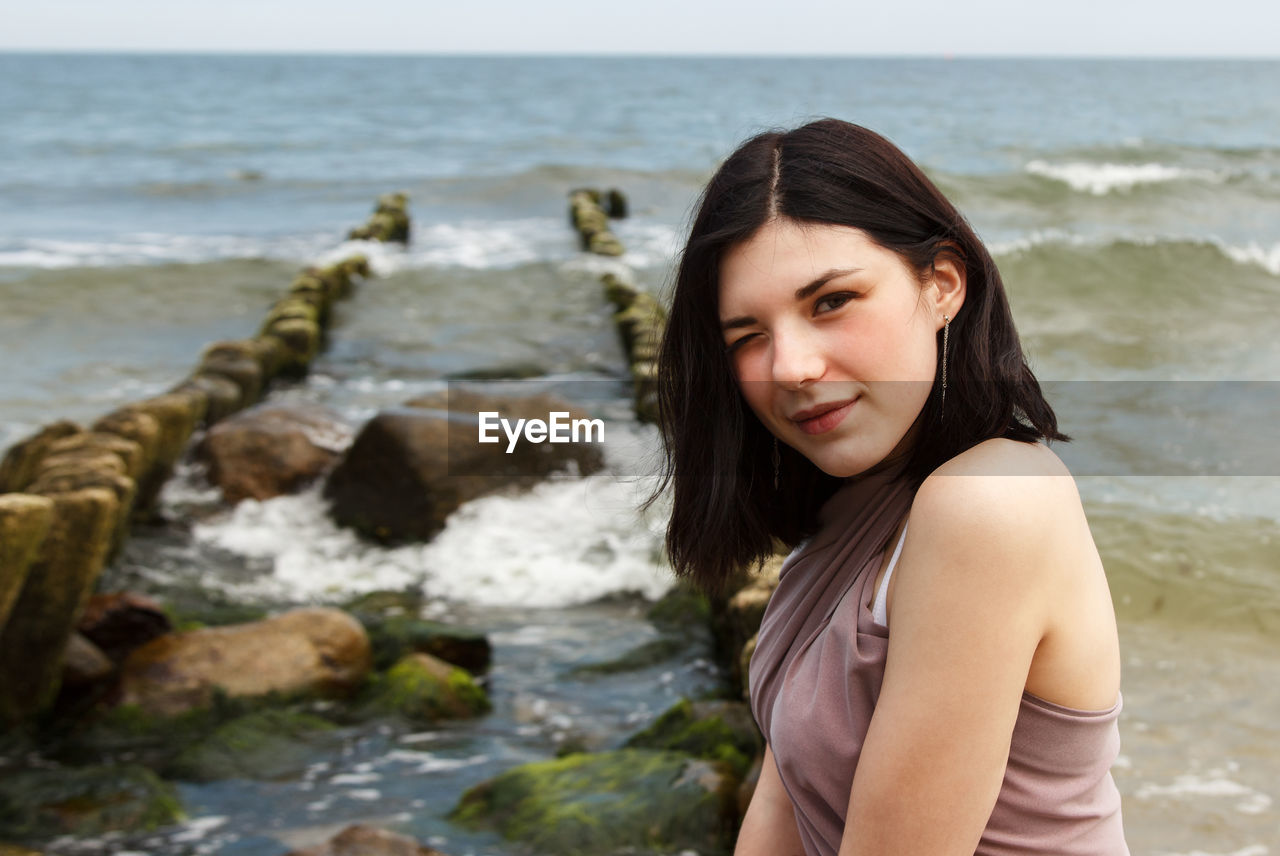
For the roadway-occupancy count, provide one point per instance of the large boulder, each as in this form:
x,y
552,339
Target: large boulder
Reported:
x,y
305,651
412,466
272,450
361,840
599,803
24,522
56,589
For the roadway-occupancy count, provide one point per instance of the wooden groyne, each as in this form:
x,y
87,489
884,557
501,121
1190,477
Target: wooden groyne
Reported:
x,y
639,317
68,493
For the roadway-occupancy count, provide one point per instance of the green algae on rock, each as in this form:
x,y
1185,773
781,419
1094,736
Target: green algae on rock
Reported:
x,y
716,730
264,745
84,801
596,803
424,689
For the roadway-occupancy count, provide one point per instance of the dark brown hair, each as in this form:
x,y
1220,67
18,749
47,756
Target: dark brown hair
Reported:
x,y
726,511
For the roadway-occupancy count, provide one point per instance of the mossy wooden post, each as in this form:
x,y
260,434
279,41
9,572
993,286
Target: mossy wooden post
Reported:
x,y
24,523
592,222
18,466
56,589
175,417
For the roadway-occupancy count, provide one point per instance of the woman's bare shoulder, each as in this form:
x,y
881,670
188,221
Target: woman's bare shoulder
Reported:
x,y
1011,485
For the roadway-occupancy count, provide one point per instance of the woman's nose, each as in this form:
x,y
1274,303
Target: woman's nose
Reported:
x,y
797,359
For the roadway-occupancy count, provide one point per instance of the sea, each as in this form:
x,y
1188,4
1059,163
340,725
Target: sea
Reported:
x,y
151,204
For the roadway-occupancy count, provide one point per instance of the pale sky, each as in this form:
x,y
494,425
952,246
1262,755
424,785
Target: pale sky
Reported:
x,y
1226,28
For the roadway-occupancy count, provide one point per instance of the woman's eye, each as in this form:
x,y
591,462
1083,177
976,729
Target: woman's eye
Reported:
x,y
734,345
833,301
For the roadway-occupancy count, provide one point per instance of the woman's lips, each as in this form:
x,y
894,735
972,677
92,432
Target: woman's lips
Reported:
x,y
824,421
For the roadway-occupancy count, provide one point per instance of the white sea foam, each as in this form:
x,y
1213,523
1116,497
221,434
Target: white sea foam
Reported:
x,y
475,244
156,248
198,828
1213,784
566,541
1103,178
1253,253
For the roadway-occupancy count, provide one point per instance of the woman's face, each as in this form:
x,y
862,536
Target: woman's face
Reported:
x,y
833,339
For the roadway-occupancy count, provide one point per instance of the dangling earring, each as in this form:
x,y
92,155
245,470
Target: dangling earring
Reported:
x,y
777,463
946,329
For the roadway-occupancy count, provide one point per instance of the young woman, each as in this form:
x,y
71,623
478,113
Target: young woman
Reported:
x,y
938,670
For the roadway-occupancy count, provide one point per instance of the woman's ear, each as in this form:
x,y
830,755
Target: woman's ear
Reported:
x,y
949,281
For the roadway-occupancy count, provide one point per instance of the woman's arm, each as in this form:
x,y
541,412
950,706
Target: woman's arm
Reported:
x,y
769,828
973,600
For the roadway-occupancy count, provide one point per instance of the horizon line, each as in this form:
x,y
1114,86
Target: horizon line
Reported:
x,y
487,54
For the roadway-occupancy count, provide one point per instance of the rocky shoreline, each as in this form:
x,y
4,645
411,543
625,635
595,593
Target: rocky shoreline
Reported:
x,y
108,698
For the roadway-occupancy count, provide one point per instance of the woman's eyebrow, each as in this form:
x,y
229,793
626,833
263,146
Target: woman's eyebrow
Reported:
x,y
801,293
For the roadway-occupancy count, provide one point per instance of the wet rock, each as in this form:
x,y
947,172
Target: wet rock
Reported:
x,y
312,651
680,608
589,804
120,622
24,522
392,620
84,801
272,450
411,466
715,730
269,745
424,689
642,657
361,840
18,466
52,597
395,636
84,664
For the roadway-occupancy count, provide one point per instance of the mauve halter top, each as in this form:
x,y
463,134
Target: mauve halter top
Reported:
x,y
815,676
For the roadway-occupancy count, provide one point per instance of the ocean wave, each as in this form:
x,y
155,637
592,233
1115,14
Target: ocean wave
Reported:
x,y
1255,254
1100,179
145,248
1251,254
471,244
